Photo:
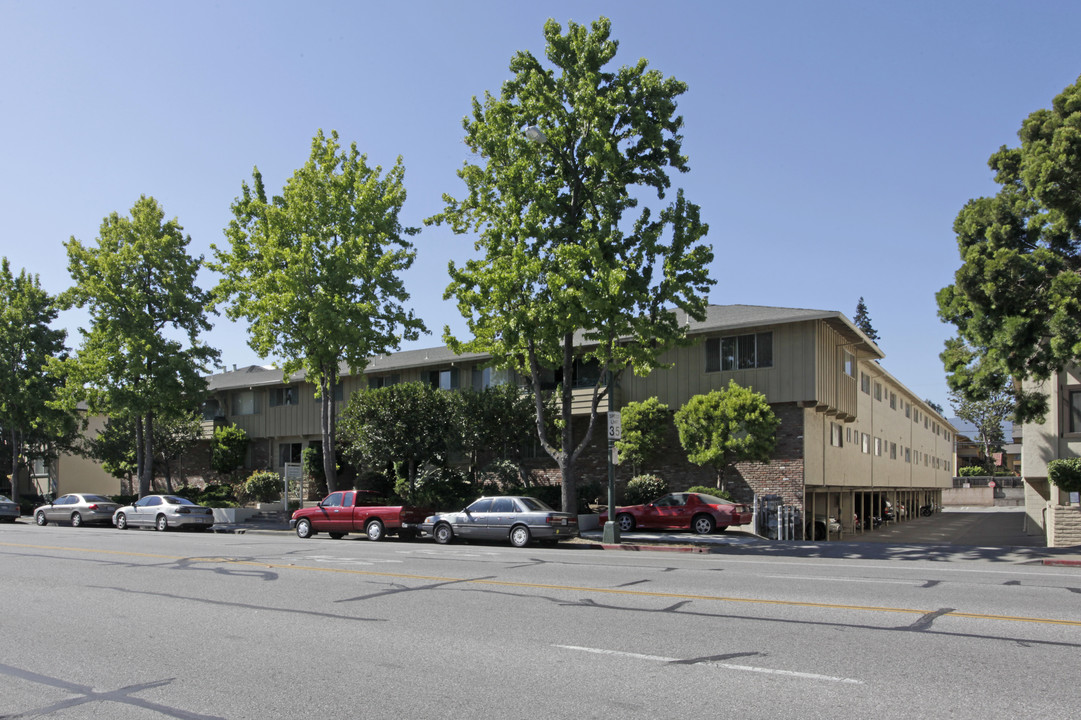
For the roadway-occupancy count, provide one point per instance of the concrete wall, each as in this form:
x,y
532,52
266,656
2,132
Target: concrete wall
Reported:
x,y
976,496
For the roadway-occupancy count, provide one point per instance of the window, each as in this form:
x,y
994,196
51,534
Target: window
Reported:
x,y
482,378
893,401
908,409
848,363
865,383
836,438
245,402
382,381
893,451
1075,411
288,453
878,391
502,505
742,352
865,445
878,446
444,379
283,396
848,434
587,373
908,455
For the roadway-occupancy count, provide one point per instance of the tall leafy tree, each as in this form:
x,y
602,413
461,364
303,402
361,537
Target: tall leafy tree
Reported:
x,y
727,426
407,424
141,358
316,270
862,319
644,425
572,270
1016,299
228,448
987,415
497,420
31,427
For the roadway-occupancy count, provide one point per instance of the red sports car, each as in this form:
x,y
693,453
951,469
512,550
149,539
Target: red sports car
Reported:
x,y
683,511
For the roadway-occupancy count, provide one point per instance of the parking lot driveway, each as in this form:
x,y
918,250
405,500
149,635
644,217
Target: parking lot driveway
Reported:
x,y
1003,527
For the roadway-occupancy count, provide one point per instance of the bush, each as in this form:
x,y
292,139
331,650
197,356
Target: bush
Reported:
x,y
438,489
212,495
1066,474
263,486
643,489
703,490
971,471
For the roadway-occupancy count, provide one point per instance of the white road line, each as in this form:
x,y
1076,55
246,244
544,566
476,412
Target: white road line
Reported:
x,y
843,579
726,666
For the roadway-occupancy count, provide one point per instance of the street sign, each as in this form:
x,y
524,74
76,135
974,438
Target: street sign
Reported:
x,y
615,426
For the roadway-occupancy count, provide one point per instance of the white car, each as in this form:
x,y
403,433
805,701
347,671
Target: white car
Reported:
x,y
163,512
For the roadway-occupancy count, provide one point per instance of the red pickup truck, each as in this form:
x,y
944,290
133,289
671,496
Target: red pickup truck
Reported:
x,y
352,511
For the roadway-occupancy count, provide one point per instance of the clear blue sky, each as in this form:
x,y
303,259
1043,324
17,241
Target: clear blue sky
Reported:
x,y
831,144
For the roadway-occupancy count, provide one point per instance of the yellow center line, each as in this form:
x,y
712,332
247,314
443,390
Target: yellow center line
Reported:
x,y
547,586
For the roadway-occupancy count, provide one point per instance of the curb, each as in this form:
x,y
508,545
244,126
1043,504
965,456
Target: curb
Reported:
x,y
1062,562
657,548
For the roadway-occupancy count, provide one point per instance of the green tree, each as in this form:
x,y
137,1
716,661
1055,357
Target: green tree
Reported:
x,y
569,274
407,423
644,425
987,415
114,449
935,406
1016,299
727,426
174,435
114,446
228,449
138,285
497,420
31,426
316,271
862,319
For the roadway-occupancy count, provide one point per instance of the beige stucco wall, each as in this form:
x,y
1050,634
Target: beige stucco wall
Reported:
x,y
74,473
970,496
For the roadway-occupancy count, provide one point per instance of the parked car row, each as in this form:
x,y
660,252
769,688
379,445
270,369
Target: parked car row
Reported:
x,y
517,519
162,512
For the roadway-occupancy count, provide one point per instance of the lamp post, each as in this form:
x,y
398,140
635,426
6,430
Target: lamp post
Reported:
x,y
610,534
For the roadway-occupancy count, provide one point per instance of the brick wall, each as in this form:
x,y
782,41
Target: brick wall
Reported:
x,y
783,475
1063,526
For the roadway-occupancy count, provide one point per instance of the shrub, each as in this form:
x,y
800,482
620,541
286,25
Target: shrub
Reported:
x,y
438,489
971,471
703,490
643,489
263,486
213,495
1065,473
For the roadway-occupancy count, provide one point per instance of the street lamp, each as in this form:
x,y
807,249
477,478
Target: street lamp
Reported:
x,y
610,534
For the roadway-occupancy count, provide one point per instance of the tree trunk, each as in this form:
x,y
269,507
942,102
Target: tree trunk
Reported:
x,y
327,383
15,466
146,463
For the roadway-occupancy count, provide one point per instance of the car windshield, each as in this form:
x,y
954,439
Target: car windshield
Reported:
x,y
533,504
713,500
173,500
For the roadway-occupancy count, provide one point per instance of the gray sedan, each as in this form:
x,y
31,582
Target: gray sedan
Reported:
x,y
163,512
9,511
78,509
504,517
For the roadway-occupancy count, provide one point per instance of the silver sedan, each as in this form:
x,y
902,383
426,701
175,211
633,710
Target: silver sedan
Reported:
x,y
514,518
78,509
163,512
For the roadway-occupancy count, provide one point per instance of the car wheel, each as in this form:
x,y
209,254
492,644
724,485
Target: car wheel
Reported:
x,y
374,529
443,534
122,521
336,536
519,536
163,523
40,518
76,520
625,521
703,524
304,529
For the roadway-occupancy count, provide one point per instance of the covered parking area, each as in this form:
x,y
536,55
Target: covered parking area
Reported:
x,y
835,513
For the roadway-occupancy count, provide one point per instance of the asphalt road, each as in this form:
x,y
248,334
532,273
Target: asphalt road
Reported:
x,y
138,624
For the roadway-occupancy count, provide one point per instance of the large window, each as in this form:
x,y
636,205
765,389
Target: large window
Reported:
x,y
444,379
739,352
382,381
283,396
836,438
848,363
289,453
865,383
1075,411
245,402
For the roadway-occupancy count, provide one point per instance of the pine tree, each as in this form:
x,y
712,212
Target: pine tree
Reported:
x,y
863,320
